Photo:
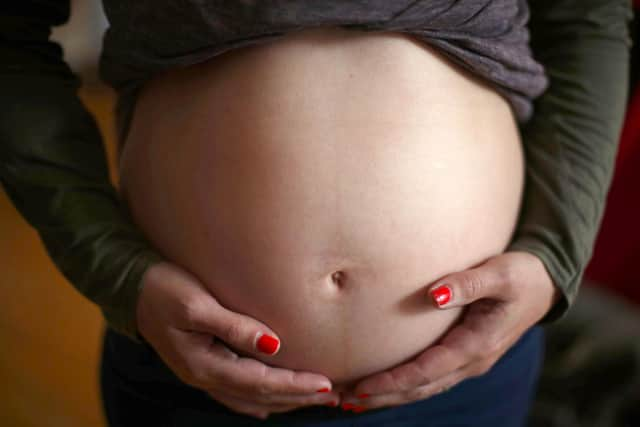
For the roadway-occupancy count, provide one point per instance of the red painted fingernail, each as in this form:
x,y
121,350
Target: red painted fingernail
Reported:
x,y
268,344
359,409
347,406
323,390
441,295
363,396
333,403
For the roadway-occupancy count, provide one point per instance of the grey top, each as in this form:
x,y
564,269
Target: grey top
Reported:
x,y
488,37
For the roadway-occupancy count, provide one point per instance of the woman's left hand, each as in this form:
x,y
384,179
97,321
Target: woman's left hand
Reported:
x,y
506,295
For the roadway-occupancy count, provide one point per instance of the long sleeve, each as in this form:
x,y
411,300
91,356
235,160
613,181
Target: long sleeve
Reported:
x,y
571,141
54,169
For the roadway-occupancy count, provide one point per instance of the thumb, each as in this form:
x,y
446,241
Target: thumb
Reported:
x,y
488,280
239,331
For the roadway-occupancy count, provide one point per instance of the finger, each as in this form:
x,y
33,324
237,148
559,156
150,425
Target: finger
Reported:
x,y
422,392
317,397
447,382
239,331
282,402
301,400
491,279
249,377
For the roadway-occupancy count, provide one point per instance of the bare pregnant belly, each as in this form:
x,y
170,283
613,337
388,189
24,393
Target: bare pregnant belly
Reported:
x,y
320,183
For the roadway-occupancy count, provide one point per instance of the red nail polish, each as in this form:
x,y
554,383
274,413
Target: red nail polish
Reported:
x,y
441,295
363,396
347,406
268,344
323,390
359,409
332,403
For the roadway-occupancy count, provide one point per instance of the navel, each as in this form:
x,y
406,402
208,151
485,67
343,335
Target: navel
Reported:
x,y
338,278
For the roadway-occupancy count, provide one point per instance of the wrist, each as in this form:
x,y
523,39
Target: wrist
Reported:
x,y
549,293
139,278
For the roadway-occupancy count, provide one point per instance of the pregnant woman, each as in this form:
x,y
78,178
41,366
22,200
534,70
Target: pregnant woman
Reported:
x,y
318,183
297,179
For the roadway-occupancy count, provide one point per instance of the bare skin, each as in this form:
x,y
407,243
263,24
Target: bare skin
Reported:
x,y
318,184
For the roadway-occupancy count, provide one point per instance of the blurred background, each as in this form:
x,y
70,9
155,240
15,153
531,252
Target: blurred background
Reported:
x,y
50,336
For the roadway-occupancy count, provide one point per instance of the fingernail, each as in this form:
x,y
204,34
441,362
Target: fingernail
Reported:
x,y
441,295
358,409
348,406
323,390
363,396
268,344
332,403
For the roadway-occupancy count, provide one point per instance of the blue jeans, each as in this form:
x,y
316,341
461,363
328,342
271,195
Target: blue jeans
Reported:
x,y
138,389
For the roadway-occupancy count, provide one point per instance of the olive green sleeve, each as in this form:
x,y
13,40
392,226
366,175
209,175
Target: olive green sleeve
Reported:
x,y
53,167
571,141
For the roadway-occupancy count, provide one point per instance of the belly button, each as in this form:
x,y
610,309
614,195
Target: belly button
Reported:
x,y
337,278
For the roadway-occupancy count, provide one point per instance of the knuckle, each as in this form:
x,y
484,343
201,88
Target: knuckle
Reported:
x,y
473,285
285,385
190,311
232,332
262,386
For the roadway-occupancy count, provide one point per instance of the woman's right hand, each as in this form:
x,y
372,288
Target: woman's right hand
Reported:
x,y
179,318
